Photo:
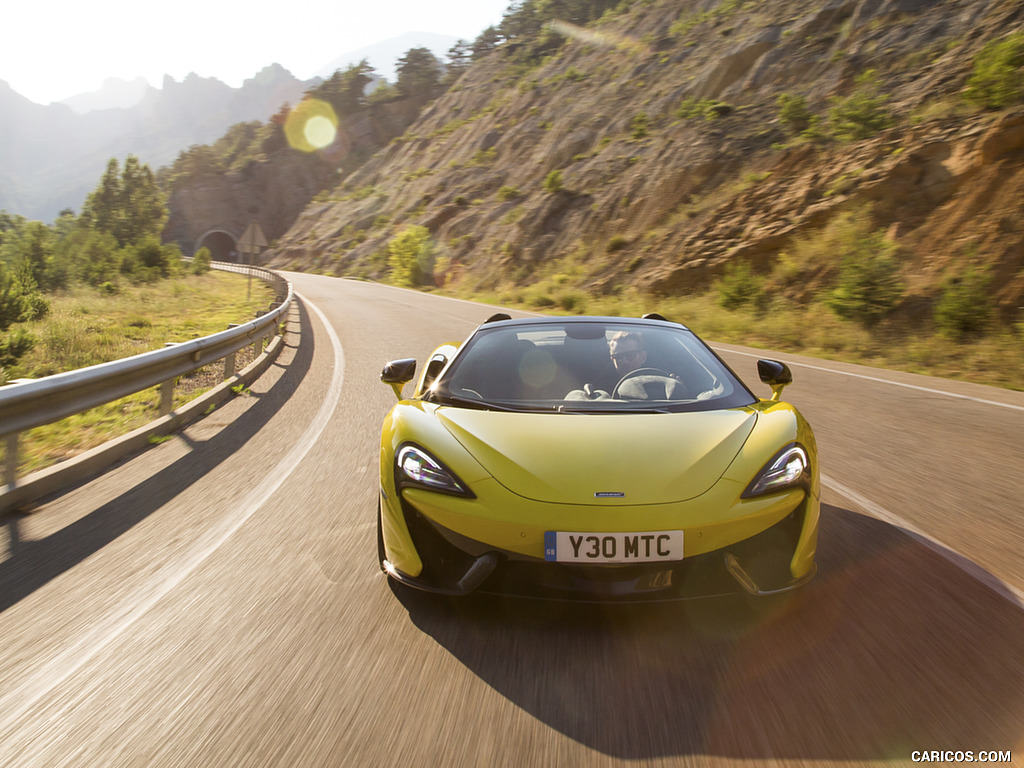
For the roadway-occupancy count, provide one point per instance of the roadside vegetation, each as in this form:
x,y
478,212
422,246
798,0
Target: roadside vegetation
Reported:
x,y
101,286
114,245
87,327
994,356
838,294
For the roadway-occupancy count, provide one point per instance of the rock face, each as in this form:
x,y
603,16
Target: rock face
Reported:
x,y
651,151
214,209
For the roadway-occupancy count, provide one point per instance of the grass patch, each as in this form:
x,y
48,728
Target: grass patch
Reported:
x,y
86,327
996,359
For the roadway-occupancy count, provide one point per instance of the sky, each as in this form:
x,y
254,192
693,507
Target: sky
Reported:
x,y
61,48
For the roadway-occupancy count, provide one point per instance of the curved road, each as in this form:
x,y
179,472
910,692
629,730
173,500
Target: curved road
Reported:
x,y
215,601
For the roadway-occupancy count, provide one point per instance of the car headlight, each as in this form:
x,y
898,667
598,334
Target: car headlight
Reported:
x,y
789,468
416,467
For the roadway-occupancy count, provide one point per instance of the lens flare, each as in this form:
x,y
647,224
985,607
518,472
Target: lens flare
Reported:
x,y
311,126
593,37
320,131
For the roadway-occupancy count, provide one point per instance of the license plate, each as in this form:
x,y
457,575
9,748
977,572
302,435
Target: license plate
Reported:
x,y
632,547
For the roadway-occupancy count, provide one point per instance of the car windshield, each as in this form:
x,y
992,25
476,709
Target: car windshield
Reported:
x,y
589,367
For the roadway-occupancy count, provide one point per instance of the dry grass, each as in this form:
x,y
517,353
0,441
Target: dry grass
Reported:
x,y
86,328
996,359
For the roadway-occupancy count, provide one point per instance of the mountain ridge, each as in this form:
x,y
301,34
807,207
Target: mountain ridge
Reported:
x,y
54,154
51,157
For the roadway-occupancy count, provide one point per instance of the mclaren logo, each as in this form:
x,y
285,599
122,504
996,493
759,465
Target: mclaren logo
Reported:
x,y
609,495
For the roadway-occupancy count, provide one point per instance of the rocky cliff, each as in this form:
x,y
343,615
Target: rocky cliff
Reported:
x,y
277,182
651,148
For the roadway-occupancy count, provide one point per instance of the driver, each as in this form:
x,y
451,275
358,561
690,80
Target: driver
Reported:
x,y
627,352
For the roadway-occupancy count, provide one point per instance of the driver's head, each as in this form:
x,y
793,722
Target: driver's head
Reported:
x,y
627,352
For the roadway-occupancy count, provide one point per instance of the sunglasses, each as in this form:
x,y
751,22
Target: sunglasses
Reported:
x,y
631,354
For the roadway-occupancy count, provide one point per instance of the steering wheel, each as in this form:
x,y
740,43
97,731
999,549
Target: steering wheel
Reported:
x,y
638,372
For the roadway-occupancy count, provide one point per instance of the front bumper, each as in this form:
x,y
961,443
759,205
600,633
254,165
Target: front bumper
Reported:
x,y
760,564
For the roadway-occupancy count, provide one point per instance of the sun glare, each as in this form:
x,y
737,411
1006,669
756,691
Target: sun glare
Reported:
x,y
312,125
320,131
603,39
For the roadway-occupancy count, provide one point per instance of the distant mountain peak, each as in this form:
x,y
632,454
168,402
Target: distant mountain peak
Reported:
x,y
115,93
270,75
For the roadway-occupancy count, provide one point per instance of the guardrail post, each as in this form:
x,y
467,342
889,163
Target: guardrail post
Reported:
x,y
23,408
229,361
166,397
11,460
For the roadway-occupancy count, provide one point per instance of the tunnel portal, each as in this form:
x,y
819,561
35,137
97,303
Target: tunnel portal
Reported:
x,y
222,245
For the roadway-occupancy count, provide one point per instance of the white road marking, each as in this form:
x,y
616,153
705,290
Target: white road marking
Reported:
x,y
877,379
964,563
1014,595
18,699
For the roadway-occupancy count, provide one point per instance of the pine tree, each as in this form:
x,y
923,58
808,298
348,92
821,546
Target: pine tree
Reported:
x,y
128,205
419,74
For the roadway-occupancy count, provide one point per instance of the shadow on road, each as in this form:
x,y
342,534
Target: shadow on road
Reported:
x,y
890,649
34,563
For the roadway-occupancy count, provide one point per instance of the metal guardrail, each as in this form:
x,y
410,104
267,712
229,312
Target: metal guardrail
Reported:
x,y
31,404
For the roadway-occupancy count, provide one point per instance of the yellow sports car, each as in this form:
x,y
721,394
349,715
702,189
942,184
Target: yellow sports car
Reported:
x,y
593,458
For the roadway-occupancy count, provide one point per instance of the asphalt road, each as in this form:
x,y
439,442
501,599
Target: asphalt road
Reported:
x,y
216,601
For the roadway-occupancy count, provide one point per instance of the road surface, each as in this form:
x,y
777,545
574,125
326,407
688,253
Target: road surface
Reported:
x,y
216,601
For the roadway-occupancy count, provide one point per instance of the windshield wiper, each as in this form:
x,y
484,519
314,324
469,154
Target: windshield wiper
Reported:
x,y
570,409
468,402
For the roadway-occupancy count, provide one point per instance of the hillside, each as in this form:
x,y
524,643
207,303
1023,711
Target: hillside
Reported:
x,y
649,151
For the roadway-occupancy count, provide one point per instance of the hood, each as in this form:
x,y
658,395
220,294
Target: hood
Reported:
x,y
608,459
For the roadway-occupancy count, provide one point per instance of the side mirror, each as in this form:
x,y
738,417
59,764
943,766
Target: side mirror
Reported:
x,y
434,366
776,375
397,373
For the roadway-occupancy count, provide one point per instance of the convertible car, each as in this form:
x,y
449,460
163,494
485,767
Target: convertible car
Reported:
x,y
593,458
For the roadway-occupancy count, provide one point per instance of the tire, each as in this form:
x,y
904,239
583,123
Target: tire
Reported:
x,y
381,554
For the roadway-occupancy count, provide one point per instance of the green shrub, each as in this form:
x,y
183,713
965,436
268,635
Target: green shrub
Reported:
x,y
869,285
411,257
638,126
708,109
964,308
863,113
201,261
794,112
553,182
739,286
18,343
616,243
998,77
484,156
572,302
20,298
507,193
540,300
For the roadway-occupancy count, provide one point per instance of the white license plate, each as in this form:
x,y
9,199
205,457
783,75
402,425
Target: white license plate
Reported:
x,y
632,547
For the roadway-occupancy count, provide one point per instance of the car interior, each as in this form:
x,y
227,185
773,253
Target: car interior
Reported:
x,y
572,363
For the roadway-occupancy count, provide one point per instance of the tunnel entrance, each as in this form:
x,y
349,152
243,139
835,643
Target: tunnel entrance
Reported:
x,y
222,246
